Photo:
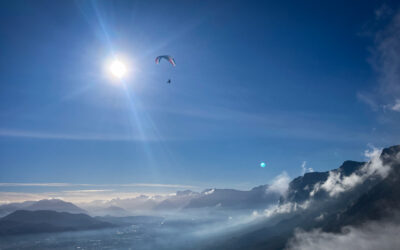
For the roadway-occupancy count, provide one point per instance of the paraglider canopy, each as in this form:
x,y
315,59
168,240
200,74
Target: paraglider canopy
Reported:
x,y
166,57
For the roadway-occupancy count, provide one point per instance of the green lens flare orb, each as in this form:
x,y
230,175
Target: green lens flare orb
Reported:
x,y
262,164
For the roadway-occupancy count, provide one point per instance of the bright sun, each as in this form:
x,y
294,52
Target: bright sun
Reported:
x,y
118,69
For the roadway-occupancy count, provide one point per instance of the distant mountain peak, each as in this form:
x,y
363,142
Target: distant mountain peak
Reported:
x,y
55,205
185,192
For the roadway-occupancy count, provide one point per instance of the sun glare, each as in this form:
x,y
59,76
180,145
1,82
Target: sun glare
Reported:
x,y
118,69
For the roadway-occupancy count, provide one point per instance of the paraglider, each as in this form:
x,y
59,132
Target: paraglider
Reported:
x,y
170,59
166,57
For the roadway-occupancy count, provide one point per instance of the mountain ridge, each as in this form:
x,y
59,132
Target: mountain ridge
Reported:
x,y
43,221
372,200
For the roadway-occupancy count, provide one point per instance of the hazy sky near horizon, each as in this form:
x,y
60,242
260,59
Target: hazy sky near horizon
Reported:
x,y
276,82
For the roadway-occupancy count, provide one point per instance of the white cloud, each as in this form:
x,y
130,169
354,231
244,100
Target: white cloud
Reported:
x,y
320,217
387,55
78,136
396,106
155,185
372,236
369,100
385,59
279,209
91,192
85,191
14,184
209,191
78,196
280,184
304,169
285,208
383,12
150,185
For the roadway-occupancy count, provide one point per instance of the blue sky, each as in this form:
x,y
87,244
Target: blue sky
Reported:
x,y
280,82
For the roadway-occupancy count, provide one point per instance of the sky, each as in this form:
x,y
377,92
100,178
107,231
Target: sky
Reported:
x,y
295,85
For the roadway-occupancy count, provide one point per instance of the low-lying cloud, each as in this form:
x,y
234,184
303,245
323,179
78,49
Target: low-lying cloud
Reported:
x,y
285,208
371,236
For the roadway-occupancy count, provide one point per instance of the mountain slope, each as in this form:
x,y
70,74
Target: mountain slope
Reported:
x,y
11,207
379,202
22,222
109,211
50,204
